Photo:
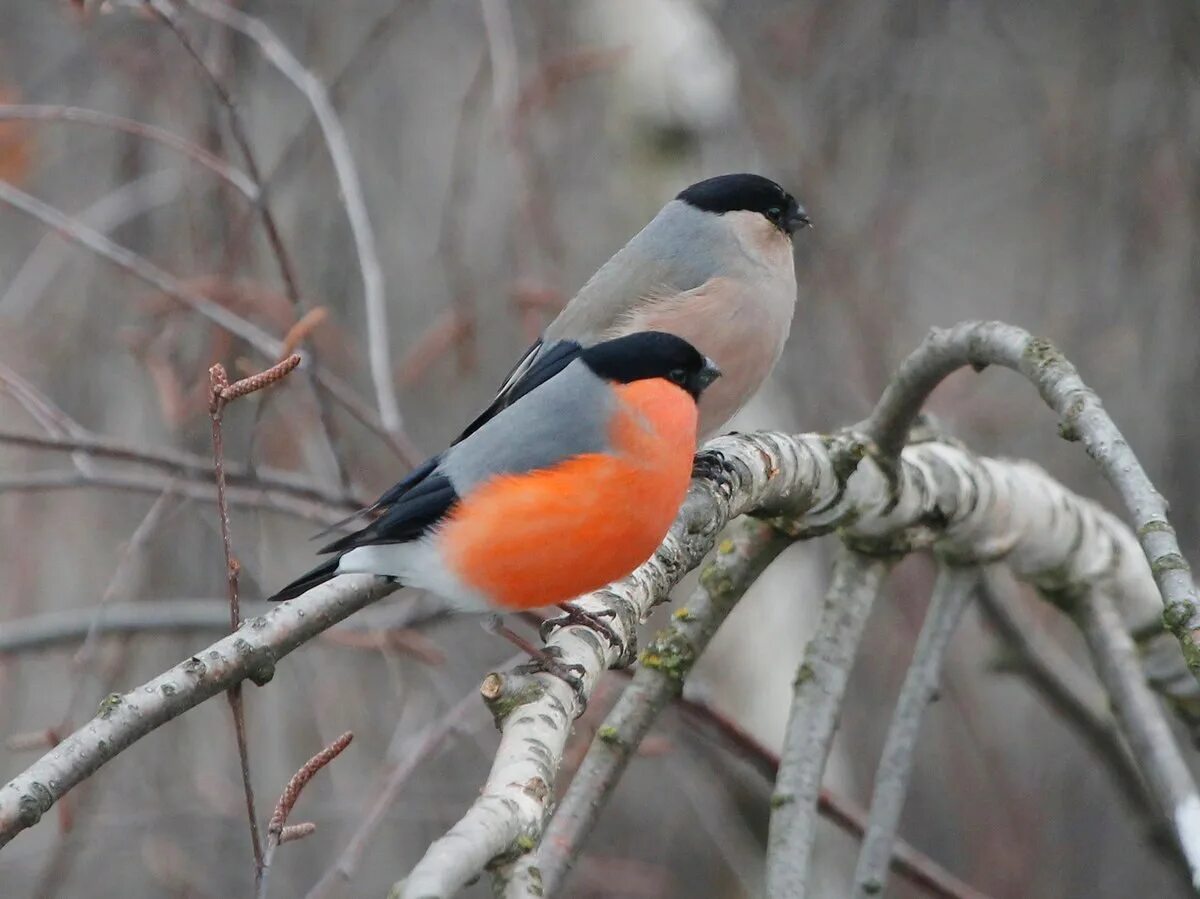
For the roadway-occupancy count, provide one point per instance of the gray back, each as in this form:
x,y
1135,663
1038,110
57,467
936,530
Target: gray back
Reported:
x,y
566,416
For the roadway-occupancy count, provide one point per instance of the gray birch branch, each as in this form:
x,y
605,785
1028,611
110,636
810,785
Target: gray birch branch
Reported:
x,y
974,507
819,688
951,593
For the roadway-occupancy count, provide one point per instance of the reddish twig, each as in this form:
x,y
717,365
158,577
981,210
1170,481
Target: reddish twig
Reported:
x,y
908,862
278,830
220,393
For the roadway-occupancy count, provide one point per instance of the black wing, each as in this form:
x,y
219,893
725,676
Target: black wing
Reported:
x,y
390,496
409,509
545,364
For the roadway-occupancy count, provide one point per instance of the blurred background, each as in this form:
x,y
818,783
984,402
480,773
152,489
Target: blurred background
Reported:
x,y
1031,162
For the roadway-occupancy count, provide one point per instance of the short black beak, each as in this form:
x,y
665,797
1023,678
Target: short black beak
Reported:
x,y
797,219
709,373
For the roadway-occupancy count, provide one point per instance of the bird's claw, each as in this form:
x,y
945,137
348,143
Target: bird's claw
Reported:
x,y
549,660
595,620
711,465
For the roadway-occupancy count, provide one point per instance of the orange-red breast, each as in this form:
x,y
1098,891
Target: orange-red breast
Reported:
x,y
568,486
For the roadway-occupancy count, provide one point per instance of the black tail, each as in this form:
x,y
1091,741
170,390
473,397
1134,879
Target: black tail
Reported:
x,y
304,583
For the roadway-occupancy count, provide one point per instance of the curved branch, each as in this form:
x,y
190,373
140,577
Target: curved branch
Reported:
x,y
951,593
816,703
1081,417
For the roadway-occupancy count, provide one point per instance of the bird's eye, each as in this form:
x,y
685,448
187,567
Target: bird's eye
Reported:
x,y
677,376
774,212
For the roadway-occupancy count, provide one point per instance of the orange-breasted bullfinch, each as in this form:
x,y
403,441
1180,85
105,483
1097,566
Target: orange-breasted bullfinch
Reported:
x,y
714,267
568,487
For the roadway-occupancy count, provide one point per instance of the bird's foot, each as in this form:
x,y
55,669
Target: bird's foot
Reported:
x,y
595,620
712,465
546,659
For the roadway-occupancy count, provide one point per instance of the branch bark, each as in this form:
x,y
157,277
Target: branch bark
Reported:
x,y
816,703
251,652
951,593
1162,764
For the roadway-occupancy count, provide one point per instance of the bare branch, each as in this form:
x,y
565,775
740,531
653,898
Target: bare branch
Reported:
x,y
112,210
238,180
142,268
250,652
350,190
220,393
1006,511
1081,417
1162,764
819,687
951,593
1064,687
250,497
182,464
287,270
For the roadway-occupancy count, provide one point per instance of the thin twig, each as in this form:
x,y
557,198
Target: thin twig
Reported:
x,y
248,497
278,831
238,180
1115,657
191,466
1064,687
112,210
745,550
350,191
220,393
817,699
951,592
142,268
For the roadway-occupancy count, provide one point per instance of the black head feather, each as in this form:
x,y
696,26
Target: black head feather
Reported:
x,y
751,193
652,354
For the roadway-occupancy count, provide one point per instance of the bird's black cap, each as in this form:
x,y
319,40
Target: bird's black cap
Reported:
x,y
651,354
752,193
